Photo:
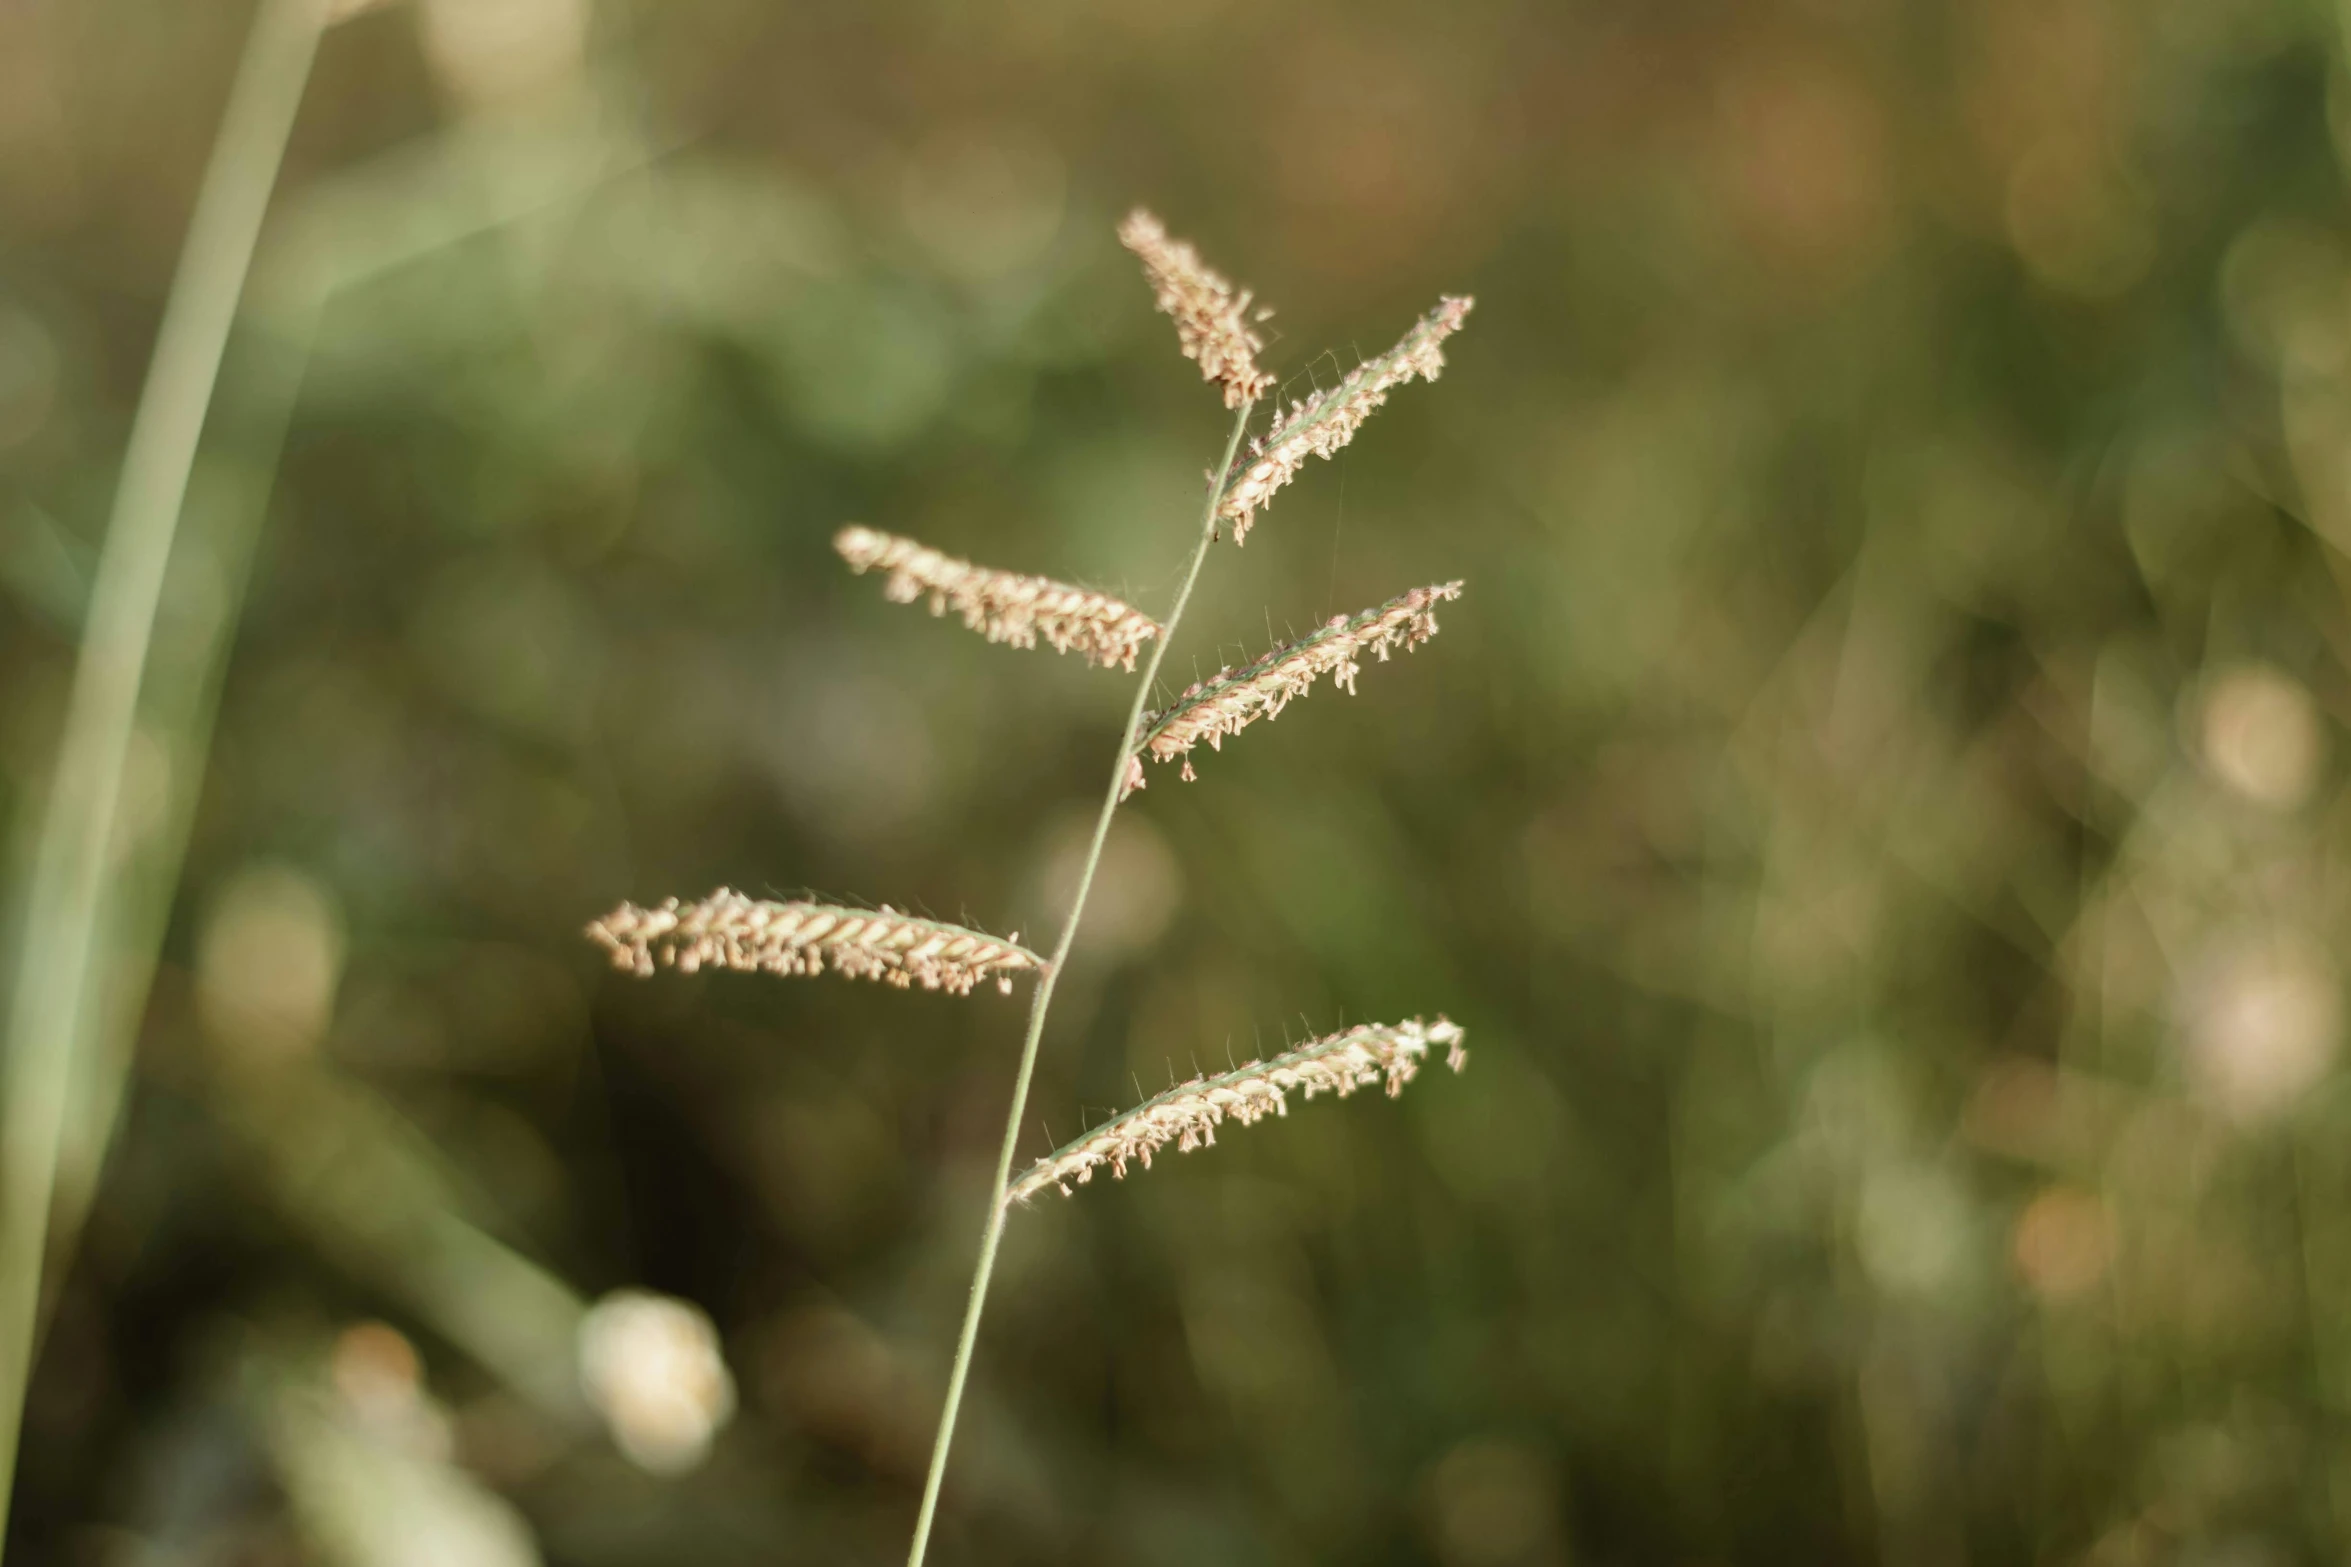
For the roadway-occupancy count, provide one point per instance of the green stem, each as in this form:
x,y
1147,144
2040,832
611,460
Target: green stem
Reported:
x,y
993,1232
68,886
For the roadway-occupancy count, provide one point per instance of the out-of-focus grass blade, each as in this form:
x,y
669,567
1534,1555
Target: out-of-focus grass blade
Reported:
x,y
59,921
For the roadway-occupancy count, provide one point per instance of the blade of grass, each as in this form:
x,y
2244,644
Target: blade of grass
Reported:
x,y
60,916
178,701
992,1231
362,224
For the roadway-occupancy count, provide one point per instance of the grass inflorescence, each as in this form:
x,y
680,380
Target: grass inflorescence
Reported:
x,y
1230,700
1188,1114
1004,606
1319,425
1214,323
1214,327
729,930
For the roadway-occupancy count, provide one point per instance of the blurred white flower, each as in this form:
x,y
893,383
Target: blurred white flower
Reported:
x,y
651,1366
2261,736
2262,1020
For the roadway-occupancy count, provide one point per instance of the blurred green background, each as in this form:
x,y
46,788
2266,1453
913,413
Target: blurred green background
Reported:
x,y
1877,808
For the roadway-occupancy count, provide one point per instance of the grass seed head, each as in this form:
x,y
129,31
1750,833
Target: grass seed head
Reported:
x,y
1188,1114
1319,425
1002,605
730,930
1212,318
1232,699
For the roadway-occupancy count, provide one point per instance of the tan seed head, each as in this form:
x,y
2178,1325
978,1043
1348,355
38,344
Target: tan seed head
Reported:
x,y
1212,318
1232,699
1002,605
1188,1114
1319,425
729,930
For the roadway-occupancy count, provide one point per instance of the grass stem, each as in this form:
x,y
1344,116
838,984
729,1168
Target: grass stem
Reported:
x,y
67,890
993,1231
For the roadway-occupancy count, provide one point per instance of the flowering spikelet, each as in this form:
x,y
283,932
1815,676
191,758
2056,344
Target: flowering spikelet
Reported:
x,y
1319,425
1233,699
1189,1114
1211,316
1004,605
737,932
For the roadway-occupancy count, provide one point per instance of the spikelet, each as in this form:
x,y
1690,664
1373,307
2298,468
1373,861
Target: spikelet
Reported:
x,y
1319,425
730,930
1233,699
1189,1114
1211,316
1004,605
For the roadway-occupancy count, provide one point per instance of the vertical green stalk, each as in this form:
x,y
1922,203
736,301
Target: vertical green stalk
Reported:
x,y
78,840
993,1231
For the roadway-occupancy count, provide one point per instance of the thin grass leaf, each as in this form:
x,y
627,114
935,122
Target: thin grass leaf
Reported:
x,y
57,1007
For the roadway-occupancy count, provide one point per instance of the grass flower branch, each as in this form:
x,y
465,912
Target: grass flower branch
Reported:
x,y
1232,699
1188,1114
1212,318
730,930
1319,425
1004,605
